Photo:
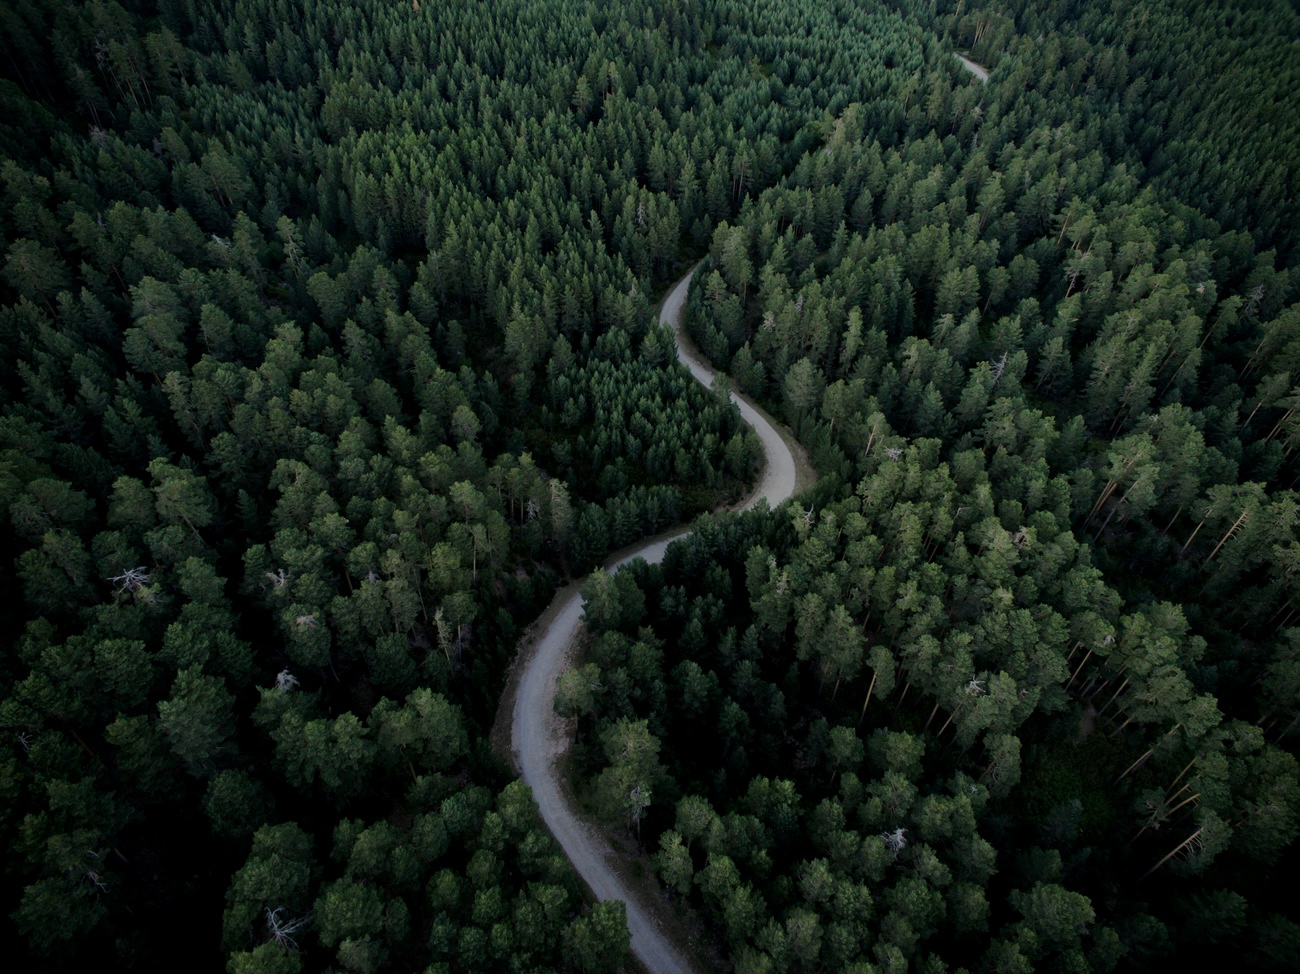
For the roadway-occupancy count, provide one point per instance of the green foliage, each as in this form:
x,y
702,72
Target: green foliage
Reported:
x,y
278,874
598,942
236,804
328,349
196,720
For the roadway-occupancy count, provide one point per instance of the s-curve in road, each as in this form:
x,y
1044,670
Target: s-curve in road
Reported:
x,y
536,734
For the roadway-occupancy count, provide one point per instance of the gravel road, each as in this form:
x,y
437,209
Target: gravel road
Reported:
x,y
974,68
537,736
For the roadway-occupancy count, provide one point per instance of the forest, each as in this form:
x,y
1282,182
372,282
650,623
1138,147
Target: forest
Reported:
x,y
328,354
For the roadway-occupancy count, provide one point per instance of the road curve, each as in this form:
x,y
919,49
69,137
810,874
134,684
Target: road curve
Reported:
x,y
976,69
536,734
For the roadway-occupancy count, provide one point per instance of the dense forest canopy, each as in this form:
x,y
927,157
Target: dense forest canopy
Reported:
x,y
327,353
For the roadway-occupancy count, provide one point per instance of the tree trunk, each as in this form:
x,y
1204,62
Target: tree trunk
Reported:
x,y
931,717
948,721
1279,425
1230,532
1134,766
1181,846
907,686
1194,534
871,686
1180,775
1117,506
1080,667
1113,696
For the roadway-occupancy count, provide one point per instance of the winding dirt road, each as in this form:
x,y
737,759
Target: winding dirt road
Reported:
x,y
537,735
976,69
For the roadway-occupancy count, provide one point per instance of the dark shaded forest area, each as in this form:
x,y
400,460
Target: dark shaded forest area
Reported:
x,y
327,352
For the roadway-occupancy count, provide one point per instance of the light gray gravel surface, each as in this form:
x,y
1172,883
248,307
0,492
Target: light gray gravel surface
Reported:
x,y
974,68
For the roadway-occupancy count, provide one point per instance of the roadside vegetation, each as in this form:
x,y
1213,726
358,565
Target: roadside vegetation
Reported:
x,y
327,352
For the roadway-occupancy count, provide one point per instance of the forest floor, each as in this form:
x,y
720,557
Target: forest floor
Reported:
x,y
536,740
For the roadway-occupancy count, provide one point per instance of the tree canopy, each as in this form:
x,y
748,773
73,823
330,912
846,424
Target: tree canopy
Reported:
x,y
327,352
